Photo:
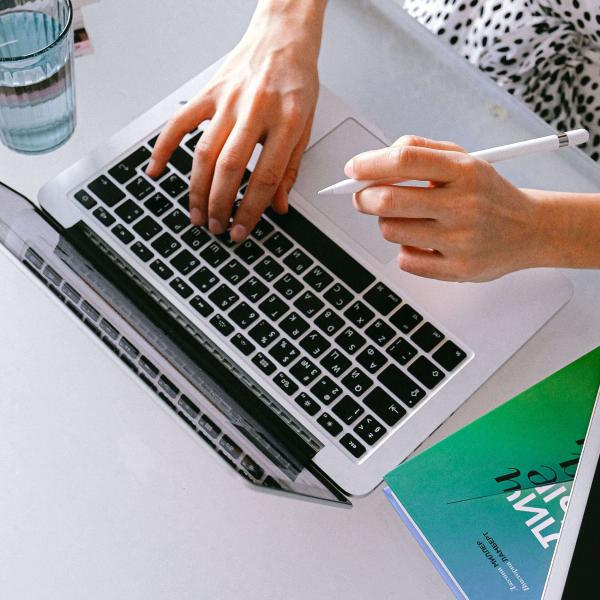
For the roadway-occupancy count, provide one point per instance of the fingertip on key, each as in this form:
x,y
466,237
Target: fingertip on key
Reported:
x,y
196,216
238,233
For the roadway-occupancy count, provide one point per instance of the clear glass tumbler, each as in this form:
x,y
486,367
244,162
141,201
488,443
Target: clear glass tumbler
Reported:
x,y
37,92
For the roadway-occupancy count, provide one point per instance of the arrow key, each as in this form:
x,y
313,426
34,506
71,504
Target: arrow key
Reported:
x,y
426,372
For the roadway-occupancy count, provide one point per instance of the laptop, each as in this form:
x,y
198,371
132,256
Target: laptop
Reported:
x,y
572,573
303,357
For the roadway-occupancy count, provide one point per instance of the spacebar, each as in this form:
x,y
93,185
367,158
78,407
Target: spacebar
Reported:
x,y
327,252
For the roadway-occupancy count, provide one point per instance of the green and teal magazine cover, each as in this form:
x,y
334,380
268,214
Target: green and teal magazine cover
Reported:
x,y
486,504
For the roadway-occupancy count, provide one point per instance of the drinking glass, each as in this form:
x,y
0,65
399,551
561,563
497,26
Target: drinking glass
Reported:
x,y
37,93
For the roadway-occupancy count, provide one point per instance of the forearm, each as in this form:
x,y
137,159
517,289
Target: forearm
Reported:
x,y
567,230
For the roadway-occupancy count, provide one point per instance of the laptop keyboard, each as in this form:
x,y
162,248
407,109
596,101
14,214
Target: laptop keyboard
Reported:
x,y
341,345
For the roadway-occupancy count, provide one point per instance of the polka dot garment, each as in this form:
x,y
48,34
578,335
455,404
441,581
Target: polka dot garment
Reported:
x,y
546,52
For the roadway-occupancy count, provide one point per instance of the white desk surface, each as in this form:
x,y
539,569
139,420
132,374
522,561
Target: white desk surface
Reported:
x,y
230,541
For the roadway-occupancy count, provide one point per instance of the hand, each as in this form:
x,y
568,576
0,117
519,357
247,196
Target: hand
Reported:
x,y
470,224
265,92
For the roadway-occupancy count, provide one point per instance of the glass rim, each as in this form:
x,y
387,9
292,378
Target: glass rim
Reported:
x,y
58,39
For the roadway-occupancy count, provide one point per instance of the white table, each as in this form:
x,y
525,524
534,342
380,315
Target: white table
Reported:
x,y
228,541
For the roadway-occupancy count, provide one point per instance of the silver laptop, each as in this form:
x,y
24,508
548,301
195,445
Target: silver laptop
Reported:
x,y
303,356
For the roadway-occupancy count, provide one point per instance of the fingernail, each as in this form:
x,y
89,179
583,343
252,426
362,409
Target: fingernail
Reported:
x,y
239,233
151,166
349,168
215,227
196,216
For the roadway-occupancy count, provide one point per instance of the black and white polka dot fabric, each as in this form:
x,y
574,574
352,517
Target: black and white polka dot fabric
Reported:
x,y
546,52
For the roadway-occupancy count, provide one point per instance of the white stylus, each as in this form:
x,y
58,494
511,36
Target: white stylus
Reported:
x,y
491,155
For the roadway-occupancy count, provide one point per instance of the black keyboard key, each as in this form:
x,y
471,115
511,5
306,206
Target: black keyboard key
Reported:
x,y
214,254
106,190
34,258
329,322
402,351
348,410
318,279
157,204
182,161
104,216
329,424
122,233
309,304
85,199
243,344
371,359
223,297
268,268
204,279
406,319
191,143
195,237
401,386
166,244
167,386
380,332
174,185
148,367
129,348
336,363
201,306
449,355
326,390
234,271
353,446
298,261
370,430
285,383
426,372
305,371
384,406
359,314
252,468
357,382
108,328
140,187
188,407
209,427
382,299
181,287
338,296
294,325
152,140
308,404
243,315
147,228
184,202
53,276
222,325
90,311
159,267
427,337
185,262
288,286
278,244
249,251
253,289
262,230
245,178
350,340
326,251
314,343
176,221
126,169
284,352
263,334
274,307
230,446
129,211
71,293
263,363
141,251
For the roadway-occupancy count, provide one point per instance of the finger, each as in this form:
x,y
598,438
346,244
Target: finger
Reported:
x,y
182,122
205,156
228,174
402,201
425,263
280,202
415,140
406,162
421,233
263,184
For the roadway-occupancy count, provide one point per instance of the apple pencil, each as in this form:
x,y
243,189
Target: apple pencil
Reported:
x,y
491,155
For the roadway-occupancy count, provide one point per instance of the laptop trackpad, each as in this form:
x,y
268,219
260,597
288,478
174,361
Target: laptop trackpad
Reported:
x,y
323,165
